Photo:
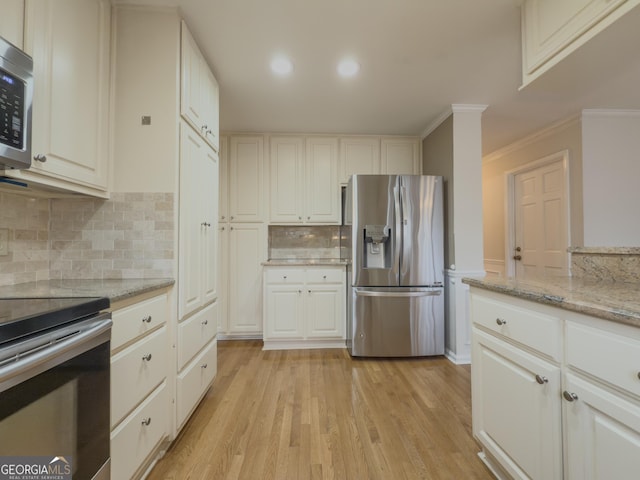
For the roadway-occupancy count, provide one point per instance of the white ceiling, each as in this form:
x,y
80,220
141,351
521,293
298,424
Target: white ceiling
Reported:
x,y
417,57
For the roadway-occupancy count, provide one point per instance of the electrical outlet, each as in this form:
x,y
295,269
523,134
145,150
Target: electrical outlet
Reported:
x,y
4,241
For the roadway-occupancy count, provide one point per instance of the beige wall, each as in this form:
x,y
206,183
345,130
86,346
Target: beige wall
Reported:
x,y
437,159
564,136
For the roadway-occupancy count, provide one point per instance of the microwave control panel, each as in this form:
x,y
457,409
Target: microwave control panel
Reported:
x,y
12,96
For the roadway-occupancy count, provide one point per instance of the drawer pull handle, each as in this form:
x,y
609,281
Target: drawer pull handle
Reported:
x,y
324,276
146,357
205,322
500,321
638,375
570,397
541,379
204,365
284,277
146,421
146,319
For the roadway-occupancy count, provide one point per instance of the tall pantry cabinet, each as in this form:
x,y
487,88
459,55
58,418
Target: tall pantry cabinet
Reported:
x,y
160,147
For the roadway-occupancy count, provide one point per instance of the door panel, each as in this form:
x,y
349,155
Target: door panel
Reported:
x,y
541,221
422,260
397,322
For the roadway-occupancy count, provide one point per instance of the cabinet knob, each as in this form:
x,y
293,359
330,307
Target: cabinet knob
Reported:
x,y
40,158
223,217
308,218
205,322
569,396
146,421
222,228
146,319
324,276
638,375
299,291
231,217
204,365
541,379
205,224
299,218
284,277
309,291
146,357
500,321
204,128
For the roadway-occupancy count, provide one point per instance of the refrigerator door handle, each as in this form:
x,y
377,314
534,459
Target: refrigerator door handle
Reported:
x,y
370,293
405,209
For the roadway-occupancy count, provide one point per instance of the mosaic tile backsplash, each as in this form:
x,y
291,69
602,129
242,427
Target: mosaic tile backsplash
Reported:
x,y
130,235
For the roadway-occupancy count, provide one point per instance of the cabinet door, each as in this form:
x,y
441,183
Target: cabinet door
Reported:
x,y
69,43
12,21
190,257
191,66
359,155
223,277
207,196
286,179
247,250
602,432
516,418
322,193
400,156
246,175
211,105
325,311
223,205
283,311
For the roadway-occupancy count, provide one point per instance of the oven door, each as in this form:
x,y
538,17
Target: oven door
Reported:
x,y
54,399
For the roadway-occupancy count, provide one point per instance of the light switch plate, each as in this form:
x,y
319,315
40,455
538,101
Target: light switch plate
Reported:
x,y
4,242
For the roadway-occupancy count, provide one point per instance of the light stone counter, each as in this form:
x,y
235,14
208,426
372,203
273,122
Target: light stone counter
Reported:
x,y
293,262
615,301
114,289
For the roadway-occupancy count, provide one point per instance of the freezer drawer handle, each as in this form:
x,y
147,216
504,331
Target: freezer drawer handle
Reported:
x,y
368,293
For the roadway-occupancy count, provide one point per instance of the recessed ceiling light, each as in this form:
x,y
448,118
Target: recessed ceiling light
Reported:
x,y
281,66
348,68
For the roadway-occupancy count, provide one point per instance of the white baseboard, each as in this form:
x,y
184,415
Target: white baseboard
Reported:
x,y
237,336
458,359
302,344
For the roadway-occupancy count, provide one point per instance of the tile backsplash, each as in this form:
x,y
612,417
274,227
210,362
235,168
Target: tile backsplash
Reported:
x,y
618,264
289,242
130,235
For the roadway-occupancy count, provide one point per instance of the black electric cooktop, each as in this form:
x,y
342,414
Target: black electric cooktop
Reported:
x,y
21,317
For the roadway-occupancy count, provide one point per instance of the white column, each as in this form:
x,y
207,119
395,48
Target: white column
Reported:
x,y
467,227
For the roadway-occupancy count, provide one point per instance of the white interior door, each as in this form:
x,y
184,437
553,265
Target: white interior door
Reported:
x,y
540,220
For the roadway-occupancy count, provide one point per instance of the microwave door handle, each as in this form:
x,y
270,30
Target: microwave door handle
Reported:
x,y
51,355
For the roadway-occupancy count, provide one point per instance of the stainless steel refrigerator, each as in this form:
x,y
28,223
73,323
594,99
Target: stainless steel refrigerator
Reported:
x,y
394,235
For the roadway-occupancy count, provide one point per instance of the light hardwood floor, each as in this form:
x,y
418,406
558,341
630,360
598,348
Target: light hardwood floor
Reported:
x,y
318,414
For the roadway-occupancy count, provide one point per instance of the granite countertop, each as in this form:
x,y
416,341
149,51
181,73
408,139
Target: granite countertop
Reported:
x,y
615,301
292,262
114,289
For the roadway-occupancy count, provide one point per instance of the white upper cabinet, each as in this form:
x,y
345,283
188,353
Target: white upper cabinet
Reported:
x,y
246,177
69,41
199,99
359,155
304,180
223,206
12,21
286,165
552,29
322,203
400,156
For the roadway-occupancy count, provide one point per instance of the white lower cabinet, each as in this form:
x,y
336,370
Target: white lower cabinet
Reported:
x,y
197,360
517,408
140,398
194,380
544,413
304,307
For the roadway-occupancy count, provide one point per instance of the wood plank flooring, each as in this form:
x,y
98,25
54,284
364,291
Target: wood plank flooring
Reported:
x,y
318,414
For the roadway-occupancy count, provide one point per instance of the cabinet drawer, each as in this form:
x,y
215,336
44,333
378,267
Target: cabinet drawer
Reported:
x,y
139,434
194,380
136,371
284,275
612,357
325,275
195,332
519,321
136,320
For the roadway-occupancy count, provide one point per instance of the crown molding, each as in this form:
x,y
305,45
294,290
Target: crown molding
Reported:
x,y
436,123
468,108
610,112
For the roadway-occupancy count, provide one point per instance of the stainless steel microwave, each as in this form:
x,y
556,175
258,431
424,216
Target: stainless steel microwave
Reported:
x,y
16,94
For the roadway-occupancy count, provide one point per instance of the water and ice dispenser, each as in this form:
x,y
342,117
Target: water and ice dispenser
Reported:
x,y
377,251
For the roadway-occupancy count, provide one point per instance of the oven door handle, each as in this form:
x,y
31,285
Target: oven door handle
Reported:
x,y
39,360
